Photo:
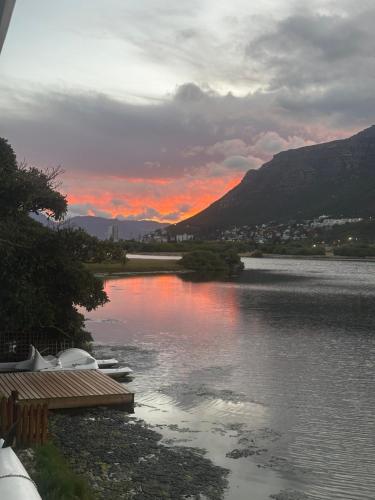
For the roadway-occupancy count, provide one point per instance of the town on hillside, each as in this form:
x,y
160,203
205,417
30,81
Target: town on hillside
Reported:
x,y
271,232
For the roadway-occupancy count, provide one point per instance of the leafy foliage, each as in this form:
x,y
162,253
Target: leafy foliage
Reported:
x,y
43,280
55,478
355,250
187,246
293,249
207,262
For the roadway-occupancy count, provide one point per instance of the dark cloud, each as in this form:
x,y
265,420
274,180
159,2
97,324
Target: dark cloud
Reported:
x,y
315,50
193,130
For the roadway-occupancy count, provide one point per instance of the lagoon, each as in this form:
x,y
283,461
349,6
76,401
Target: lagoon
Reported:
x,y
272,372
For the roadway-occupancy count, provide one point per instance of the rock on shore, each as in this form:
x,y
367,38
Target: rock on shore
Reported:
x,y
123,458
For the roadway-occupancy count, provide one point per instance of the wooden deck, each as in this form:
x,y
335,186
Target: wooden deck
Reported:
x,y
66,389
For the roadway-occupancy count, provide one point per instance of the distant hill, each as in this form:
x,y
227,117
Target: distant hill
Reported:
x,y
98,226
335,178
127,229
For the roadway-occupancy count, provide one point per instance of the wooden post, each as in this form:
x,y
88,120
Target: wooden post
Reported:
x,y
45,424
3,415
25,424
14,399
38,422
20,410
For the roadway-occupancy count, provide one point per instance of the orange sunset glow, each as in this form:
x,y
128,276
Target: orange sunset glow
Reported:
x,y
171,199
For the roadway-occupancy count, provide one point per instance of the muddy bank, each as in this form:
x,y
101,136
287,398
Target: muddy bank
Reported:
x,y
124,459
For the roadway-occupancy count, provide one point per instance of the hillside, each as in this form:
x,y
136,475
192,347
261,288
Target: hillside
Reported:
x,y
127,229
335,178
98,226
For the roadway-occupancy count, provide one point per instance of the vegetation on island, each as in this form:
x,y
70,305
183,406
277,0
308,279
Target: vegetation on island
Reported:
x,y
355,250
208,262
43,279
294,248
256,253
185,246
134,266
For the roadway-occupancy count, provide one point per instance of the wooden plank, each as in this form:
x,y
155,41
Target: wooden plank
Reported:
x,y
85,384
64,389
17,381
25,424
52,386
3,415
29,389
92,383
44,424
109,383
5,388
48,383
89,401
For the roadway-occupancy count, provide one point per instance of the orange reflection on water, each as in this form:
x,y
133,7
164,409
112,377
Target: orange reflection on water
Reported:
x,y
168,303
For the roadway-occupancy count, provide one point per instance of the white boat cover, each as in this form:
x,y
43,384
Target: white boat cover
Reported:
x,y
77,359
120,372
15,483
70,359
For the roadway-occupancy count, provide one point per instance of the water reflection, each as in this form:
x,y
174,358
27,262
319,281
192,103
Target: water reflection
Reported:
x,y
285,353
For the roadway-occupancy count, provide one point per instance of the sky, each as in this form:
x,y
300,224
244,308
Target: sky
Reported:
x,y
155,108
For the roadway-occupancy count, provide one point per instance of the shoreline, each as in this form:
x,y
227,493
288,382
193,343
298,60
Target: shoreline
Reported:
x,y
123,457
136,266
310,257
152,267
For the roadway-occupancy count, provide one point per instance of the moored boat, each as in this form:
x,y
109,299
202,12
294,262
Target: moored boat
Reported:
x,y
70,359
15,482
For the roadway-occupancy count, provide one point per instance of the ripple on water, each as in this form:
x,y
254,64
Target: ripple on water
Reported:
x,y
293,352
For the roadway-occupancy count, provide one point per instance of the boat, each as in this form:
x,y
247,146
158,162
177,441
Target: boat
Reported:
x,y
15,482
70,359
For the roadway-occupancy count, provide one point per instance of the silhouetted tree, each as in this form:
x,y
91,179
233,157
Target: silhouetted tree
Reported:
x,y
43,280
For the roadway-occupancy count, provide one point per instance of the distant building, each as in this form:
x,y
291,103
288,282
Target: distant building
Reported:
x,y
112,233
184,237
325,221
6,10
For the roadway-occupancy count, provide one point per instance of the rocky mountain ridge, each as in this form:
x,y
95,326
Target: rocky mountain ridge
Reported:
x,y
335,178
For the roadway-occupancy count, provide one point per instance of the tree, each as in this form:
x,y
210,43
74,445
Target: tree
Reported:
x,y
43,280
207,262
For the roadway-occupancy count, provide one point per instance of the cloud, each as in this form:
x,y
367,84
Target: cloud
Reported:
x,y
314,51
242,163
157,199
87,209
297,76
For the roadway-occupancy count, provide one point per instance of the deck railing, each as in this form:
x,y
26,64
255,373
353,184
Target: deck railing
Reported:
x,y
23,424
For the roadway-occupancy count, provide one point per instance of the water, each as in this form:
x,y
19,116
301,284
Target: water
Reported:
x,y
279,362
153,257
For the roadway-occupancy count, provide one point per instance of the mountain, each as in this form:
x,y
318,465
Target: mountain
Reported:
x,y
127,229
98,226
335,178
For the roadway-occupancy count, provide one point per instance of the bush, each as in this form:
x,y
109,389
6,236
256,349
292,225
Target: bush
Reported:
x,y
56,480
207,262
203,261
355,251
256,253
290,249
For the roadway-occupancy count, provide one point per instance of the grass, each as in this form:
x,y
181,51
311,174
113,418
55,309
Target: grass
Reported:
x,y
56,480
135,266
